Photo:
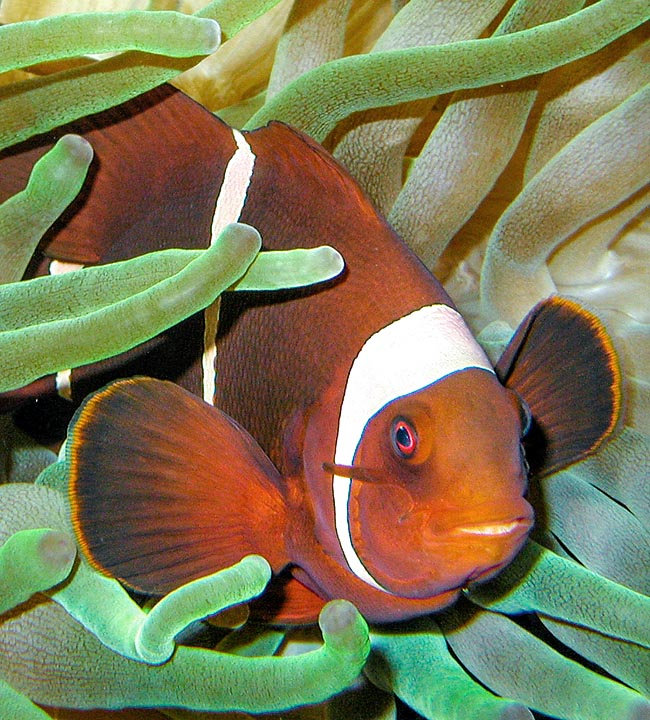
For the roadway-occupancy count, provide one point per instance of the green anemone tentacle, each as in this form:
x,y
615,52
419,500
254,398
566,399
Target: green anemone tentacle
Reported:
x,y
540,581
317,100
54,182
413,661
32,561
39,104
165,32
32,350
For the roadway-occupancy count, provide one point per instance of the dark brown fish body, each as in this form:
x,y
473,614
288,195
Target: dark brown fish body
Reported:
x,y
396,473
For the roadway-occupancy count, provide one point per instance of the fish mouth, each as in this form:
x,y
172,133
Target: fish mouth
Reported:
x,y
498,529
494,528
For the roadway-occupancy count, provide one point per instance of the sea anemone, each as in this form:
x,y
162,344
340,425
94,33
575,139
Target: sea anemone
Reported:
x,y
508,144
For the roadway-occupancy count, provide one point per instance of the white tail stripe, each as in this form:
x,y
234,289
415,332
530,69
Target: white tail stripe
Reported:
x,y
404,357
229,205
63,379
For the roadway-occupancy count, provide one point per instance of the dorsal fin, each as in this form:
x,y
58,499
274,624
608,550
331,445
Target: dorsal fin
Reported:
x,y
315,188
561,361
165,488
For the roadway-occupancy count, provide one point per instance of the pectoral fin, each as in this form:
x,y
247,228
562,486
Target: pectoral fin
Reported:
x,y
165,488
561,361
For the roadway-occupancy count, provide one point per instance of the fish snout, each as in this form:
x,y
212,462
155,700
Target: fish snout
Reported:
x,y
423,556
491,523
480,542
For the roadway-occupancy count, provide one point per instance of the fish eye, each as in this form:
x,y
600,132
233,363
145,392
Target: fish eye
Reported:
x,y
403,437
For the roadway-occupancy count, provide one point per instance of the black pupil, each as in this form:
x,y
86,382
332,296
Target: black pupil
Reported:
x,y
403,437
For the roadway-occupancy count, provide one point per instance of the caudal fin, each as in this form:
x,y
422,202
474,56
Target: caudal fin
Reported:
x,y
165,488
561,361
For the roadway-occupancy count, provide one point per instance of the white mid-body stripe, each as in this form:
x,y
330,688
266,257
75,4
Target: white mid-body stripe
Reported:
x,y
63,384
228,208
63,379
60,267
405,356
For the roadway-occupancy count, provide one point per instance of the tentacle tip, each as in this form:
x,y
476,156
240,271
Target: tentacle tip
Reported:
x,y
640,710
242,233
212,38
338,617
57,550
331,258
78,148
258,564
515,711
158,654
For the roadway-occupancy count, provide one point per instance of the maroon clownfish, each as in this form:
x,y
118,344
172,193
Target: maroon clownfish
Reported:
x,y
357,435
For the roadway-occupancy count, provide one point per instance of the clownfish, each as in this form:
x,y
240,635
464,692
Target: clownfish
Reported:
x,y
356,434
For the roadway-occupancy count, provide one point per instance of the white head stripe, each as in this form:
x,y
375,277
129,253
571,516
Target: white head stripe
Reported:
x,y
229,205
405,356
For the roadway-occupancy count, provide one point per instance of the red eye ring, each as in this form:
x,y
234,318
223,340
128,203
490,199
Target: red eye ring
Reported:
x,y
404,439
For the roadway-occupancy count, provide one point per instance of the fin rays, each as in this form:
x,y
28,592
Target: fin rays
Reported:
x,y
165,489
562,363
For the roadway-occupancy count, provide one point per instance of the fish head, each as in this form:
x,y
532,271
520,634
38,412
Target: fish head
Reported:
x,y
438,499
429,474
428,477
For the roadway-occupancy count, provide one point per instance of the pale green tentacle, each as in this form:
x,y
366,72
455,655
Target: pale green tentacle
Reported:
x,y
414,662
628,662
54,182
317,100
598,531
313,35
373,143
36,560
103,607
541,581
469,147
165,32
15,705
89,290
40,104
613,154
100,328
514,663
235,15
134,300
285,269
32,561
70,667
